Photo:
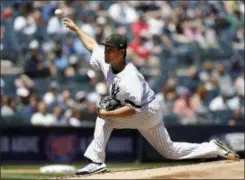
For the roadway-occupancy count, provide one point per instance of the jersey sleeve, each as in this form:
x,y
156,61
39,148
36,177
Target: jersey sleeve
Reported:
x,y
97,58
132,94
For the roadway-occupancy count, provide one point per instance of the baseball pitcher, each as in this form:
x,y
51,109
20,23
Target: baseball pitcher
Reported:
x,y
138,109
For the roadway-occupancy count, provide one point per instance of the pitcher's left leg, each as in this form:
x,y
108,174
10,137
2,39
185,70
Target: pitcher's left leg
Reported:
x,y
96,150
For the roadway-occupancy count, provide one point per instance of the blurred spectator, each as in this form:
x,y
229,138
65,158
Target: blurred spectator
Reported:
x,y
206,76
145,6
80,102
25,26
87,26
35,66
42,117
122,13
167,33
156,24
206,71
198,99
69,49
67,8
192,80
72,72
24,81
60,62
103,28
27,110
168,95
10,44
160,96
40,34
2,48
55,27
239,85
46,9
59,119
237,66
63,99
95,96
225,101
235,17
185,110
222,77
25,23
193,32
237,118
2,84
81,50
6,109
23,96
51,64
51,96
139,26
211,39
7,13
164,7
238,39
138,52
75,119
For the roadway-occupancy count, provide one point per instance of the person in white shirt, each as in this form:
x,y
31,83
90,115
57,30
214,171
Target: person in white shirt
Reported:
x,y
51,95
225,101
25,23
75,119
122,12
156,25
42,117
86,25
6,109
140,109
239,85
59,118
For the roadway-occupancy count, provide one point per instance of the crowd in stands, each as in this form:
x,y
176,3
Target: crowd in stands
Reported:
x,y
190,52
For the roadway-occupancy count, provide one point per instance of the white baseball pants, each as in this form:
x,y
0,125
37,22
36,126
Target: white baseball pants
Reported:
x,y
157,136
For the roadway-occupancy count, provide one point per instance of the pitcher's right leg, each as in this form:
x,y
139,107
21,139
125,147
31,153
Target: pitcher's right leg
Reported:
x,y
159,138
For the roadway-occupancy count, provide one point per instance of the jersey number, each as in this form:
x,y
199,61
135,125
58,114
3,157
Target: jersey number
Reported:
x,y
114,90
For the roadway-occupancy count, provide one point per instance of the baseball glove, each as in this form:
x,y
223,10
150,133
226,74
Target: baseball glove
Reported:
x,y
109,103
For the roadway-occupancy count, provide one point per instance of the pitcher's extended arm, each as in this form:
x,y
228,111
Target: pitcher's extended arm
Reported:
x,y
87,41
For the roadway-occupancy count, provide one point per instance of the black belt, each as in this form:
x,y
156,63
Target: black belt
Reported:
x,y
139,106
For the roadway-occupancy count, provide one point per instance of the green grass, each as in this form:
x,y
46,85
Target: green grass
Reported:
x,y
32,171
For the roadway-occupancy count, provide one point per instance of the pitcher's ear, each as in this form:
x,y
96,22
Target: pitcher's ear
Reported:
x,y
123,51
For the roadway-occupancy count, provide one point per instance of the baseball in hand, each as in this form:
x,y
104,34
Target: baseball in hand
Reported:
x,y
58,12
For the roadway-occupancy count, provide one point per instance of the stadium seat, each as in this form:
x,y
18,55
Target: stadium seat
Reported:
x,y
171,118
222,117
9,87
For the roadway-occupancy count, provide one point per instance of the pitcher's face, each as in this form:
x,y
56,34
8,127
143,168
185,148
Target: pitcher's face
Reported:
x,y
112,54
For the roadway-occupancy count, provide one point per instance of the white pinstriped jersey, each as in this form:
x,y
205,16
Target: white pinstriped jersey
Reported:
x,y
130,88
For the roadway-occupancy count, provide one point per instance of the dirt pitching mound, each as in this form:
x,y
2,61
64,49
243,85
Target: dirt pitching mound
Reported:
x,y
211,170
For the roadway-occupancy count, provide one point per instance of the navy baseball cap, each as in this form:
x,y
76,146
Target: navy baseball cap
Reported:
x,y
116,41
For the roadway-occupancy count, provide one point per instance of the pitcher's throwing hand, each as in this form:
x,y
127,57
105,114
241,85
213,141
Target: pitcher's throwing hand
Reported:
x,y
70,24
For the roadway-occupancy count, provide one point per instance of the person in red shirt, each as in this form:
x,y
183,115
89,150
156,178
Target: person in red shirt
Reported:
x,y
139,26
138,52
